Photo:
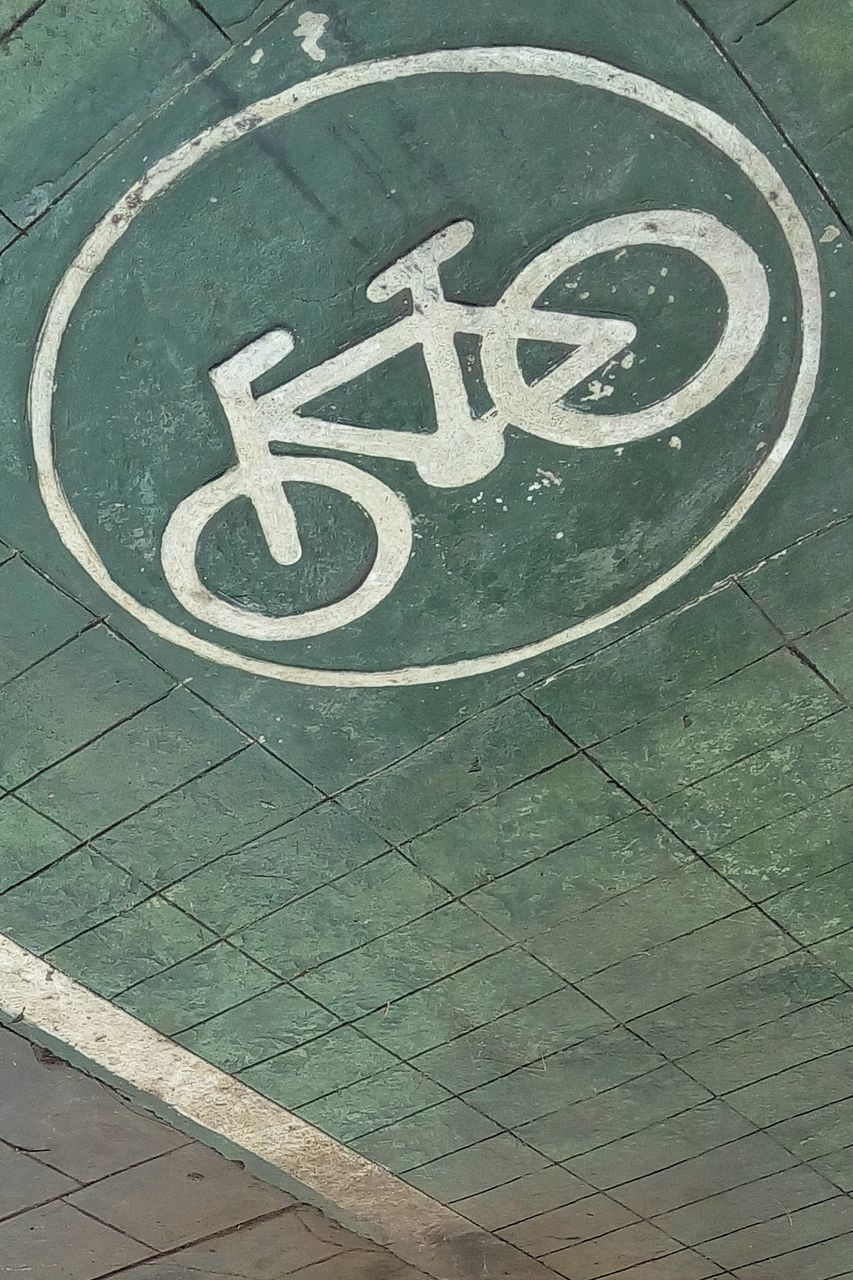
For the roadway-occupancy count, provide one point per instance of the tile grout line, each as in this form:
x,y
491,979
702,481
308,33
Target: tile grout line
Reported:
x,y
795,151
230,1115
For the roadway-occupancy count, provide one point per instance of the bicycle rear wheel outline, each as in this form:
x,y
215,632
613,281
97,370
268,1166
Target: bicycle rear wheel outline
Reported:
x,y
387,511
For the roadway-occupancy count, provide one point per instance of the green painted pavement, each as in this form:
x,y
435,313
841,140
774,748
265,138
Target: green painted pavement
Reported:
x,y
567,943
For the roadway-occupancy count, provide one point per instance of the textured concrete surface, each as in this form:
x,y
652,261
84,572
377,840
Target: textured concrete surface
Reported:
x,y
568,944
92,1187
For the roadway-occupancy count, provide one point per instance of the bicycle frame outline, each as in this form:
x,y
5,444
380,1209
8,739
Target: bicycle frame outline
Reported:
x,y
463,448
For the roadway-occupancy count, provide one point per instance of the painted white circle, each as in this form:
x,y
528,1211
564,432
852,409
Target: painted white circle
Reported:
x,y
504,60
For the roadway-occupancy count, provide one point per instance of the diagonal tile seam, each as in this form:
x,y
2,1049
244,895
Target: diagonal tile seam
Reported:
x,y
593,1189
6,36
780,817
614,1191
87,841
81,1186
537,681
164,1255
697,1244
50,653
782,133
798,947
84,841
231,1117
771,1257
122,720
120,142
715,589
102,1222
701,1246
787,4
199,7
590,752
794,649
831,1194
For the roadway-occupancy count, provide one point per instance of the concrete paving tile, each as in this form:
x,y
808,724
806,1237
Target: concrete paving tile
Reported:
x,y
463,1002
58,1241
25,1183
471,763
597,1215
220,811
259,1028
816,909
732,1165
613,1114
781,779
665,661
367,1105
269,1250
690,963
765,1050
179,1197
657,1146
747,1206
530,819
705,733
791,850
516,1039
290,860
320,1068
478,1168
814,1262
389,968
830,648
65,898
133,946
353,910
133,764
527,1197
806,586
29,842
427,1136
615,1251
75,1124
53,52
584,874
738,1004
39,725
203,985
637,921
36,618
795,1229
576,1073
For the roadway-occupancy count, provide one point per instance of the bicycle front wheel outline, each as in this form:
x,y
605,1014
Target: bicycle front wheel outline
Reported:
x,y
537,407
386,509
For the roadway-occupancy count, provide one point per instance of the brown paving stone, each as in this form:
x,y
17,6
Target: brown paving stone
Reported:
x,y
268,1250
75,1124
25,1183
57,1242
178,1197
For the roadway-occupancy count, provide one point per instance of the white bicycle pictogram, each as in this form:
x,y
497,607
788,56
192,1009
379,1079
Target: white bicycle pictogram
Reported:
x,y
463,448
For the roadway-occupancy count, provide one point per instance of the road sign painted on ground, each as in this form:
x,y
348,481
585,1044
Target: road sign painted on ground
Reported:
x,y
514,409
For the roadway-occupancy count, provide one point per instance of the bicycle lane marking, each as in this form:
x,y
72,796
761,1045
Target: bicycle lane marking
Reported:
x,y
578,69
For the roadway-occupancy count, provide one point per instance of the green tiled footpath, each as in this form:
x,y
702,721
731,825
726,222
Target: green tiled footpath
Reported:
x,y
563,939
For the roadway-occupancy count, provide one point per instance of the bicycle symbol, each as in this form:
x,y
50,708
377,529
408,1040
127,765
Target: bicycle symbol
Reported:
x,y
463,449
